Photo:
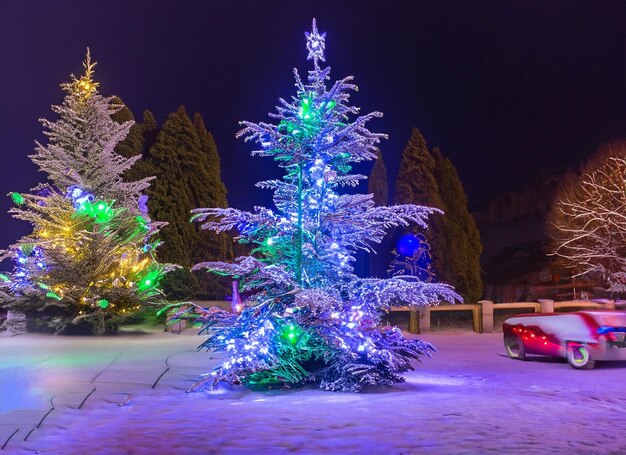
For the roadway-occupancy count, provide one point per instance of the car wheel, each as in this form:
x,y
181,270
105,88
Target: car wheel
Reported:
x,y
514,347
578,357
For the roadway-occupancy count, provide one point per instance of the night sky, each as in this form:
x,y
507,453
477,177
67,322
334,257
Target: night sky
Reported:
x,y
509,90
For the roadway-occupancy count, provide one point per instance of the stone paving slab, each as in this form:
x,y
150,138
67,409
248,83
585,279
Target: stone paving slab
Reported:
x,y
129,377
41,375
148,366
8,431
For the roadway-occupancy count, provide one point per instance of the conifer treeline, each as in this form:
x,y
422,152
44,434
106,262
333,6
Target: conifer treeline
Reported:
x,y
426,177
183,157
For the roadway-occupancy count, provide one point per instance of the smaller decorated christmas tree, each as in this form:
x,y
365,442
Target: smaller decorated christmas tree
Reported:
x,y
412,257
305,316
90,258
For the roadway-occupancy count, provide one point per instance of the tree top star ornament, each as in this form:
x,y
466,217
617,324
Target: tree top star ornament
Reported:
x,y
315,44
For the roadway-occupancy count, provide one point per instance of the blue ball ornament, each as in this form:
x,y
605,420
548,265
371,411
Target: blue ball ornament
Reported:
x,y
408,245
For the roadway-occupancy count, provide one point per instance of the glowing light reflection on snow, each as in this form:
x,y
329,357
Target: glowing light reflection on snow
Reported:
x,y
216,391
20,390
435,380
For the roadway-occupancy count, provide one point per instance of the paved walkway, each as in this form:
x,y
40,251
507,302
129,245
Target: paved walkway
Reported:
x,y
40,375
125,395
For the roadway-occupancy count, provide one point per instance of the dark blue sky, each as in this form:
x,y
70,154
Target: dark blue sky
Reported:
x,y
507,89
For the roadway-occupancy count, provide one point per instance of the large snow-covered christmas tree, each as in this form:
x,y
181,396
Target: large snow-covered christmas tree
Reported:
x,y
306,317
90,255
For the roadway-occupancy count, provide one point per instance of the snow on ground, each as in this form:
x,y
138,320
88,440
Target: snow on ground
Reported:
x,y
469,398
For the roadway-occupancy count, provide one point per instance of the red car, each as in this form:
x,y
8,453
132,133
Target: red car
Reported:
x,y
582,337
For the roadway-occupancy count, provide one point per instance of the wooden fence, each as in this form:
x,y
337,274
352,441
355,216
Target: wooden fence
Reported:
x,y
484,311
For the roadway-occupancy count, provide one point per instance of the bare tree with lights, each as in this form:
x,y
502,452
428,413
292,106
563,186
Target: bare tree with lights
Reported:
x,y
590,225
90,255
306,317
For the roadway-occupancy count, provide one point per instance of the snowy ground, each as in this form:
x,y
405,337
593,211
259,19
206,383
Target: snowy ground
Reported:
x,y
126,395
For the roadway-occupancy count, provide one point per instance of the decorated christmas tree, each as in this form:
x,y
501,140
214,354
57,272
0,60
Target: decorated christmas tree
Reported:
x,y
90,256
412,257
306,317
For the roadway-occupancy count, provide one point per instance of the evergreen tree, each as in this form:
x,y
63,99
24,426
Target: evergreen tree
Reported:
x,y
185,160
132,144
174,154
377,186
149,131
306,316
217,193
213,194
416,184
81,147
89,257
427,177
416,176
377,182
462,259
202,186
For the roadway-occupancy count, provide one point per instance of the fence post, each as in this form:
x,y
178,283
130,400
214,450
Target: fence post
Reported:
x,y
547,305
424,324
414,321
486,309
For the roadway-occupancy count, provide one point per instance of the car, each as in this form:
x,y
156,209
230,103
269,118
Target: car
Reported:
x,y
581,337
